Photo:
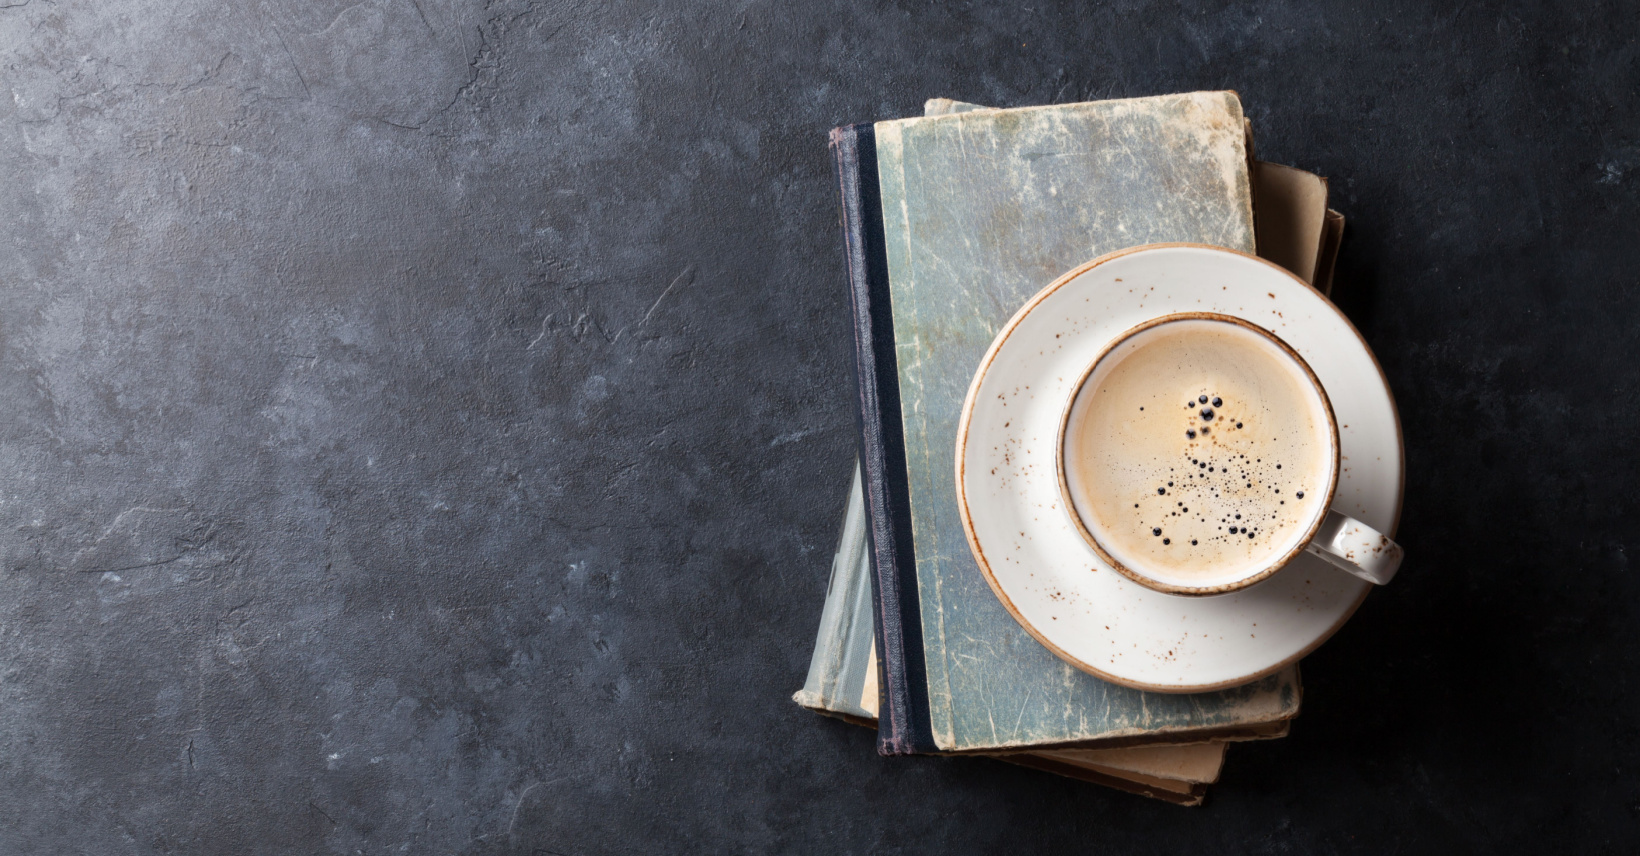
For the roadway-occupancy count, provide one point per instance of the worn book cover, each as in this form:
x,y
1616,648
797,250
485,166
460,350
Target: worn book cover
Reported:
x,y
979,211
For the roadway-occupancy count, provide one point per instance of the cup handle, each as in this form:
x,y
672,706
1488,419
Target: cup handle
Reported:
x,y
1356,548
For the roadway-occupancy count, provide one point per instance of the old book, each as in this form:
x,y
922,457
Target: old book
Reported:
x,y
842,676
965,222
842,682
1290,217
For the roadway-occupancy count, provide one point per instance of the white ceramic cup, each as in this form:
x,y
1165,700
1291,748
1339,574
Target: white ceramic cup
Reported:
x,y
1340,540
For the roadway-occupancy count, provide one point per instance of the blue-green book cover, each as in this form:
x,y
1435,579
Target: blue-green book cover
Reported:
x,y
981,210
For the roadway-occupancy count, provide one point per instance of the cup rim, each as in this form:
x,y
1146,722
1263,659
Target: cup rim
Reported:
x,y
1160,585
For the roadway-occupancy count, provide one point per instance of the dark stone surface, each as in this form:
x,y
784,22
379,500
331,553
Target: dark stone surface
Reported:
x,y
424,423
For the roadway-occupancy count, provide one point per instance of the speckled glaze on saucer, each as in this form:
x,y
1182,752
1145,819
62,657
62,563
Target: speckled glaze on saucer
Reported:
x,y
1034,558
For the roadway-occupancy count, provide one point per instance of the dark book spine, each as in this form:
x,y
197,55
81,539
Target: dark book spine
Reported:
x,y
903,724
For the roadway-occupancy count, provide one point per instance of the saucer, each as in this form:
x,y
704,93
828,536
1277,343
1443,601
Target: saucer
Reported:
x,y
1048,577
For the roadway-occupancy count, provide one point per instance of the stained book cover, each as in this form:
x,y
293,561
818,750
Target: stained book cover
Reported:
x,y
979,211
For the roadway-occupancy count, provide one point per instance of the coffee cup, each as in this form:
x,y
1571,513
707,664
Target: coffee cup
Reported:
x,y
1198,455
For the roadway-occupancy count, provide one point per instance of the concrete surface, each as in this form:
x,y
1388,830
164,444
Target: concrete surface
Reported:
x,y
423,423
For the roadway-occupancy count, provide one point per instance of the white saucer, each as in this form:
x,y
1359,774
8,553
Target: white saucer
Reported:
x,y
1052,581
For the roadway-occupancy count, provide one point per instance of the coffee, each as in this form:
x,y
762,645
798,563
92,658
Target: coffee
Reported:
x,y
1198,452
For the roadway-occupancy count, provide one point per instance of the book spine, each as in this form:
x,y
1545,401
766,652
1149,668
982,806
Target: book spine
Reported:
x,y
903,726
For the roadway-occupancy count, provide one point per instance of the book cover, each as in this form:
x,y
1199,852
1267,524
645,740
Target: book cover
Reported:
x,y
980,210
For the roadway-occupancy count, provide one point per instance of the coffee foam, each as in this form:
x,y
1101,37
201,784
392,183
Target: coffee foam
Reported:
x,y
1198,453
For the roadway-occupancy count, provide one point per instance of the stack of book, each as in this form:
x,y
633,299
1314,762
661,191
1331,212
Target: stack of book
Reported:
x,y
912,640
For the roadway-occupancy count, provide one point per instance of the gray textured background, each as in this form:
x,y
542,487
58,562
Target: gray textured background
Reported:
x,y
425,423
